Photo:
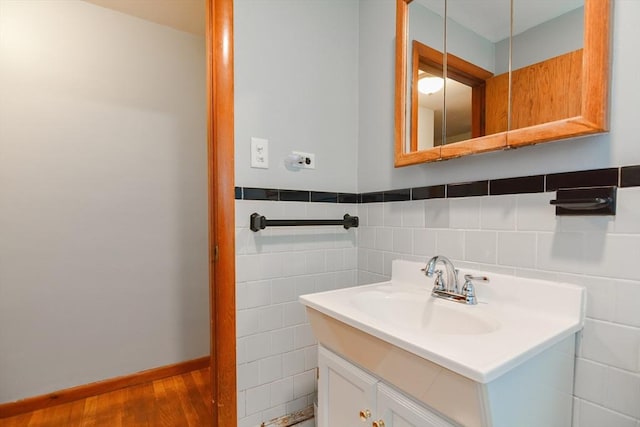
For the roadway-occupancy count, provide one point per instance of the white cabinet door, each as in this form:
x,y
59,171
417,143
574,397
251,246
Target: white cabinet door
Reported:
x,y
344,391
396,410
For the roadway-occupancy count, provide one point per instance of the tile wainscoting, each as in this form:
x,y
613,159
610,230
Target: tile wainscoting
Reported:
x,y
276,350
520,235
504,225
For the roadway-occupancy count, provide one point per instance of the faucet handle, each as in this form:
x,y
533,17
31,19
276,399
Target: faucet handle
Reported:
x,y
468,290
470,277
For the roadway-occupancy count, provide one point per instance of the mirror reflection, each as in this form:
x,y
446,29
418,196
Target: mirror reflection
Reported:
x,y
546,58
477,98
426,27
472,30
461,93
429,109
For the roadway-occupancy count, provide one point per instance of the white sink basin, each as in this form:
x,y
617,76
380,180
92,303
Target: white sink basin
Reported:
x,y
420,312
514,320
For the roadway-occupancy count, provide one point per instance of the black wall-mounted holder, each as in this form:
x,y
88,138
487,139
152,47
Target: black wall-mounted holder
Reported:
x,y
585,201
258,222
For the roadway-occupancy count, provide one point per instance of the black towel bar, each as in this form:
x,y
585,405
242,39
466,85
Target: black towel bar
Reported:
x,y
258,222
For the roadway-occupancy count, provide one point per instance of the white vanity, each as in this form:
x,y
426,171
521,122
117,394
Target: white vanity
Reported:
x,y
391,355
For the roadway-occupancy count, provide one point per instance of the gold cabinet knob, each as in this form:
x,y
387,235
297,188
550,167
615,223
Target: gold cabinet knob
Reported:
x,y
378,423
365,415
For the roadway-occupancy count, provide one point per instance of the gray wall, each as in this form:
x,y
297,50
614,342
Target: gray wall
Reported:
x,y
103,213
296,84
552,38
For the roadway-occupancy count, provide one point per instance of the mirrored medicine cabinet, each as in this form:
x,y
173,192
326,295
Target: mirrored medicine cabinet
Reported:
x,y
476,76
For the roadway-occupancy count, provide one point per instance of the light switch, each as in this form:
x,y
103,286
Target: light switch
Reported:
x,y
259,153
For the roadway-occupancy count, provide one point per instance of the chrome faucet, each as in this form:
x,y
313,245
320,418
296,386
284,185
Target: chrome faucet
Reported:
x,y
449,289
451,284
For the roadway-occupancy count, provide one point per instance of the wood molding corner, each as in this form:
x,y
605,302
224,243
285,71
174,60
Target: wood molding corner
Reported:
x,y
92,389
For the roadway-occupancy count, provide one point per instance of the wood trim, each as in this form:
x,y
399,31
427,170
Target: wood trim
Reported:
x,y
457,68
478,97
535,91
415,157
595,70
400,113
497,111
478,145
415,99
552,131
87,390
466,72
220,143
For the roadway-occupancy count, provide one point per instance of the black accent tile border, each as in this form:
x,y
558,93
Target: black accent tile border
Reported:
x,y
431,192
468,189
630,176
626,176
372,197
295,196
588,178
348,198
397,195
250,193
520,185
324,197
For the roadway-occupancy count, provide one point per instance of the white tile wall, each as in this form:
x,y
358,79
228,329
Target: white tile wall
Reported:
x,y
521,235
276,350
587,414
498,213
464,213
509,234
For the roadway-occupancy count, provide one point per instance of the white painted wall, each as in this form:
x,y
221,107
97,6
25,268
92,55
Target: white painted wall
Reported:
x,y
375,158
425,128
296,84
103,214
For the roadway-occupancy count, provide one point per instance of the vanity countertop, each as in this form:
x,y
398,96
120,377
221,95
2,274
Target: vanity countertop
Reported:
x,y
515,318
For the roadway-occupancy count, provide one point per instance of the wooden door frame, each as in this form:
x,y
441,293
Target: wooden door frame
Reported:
x,y
220,144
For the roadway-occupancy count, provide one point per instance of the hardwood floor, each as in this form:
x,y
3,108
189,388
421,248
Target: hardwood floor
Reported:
x,y
179,401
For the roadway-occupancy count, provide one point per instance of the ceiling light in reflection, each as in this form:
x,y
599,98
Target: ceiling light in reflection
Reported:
x,y
430,85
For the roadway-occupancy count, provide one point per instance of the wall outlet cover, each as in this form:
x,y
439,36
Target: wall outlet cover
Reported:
x,y
309,160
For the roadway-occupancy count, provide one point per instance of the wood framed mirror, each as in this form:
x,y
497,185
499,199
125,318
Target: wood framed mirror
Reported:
x,y
518,99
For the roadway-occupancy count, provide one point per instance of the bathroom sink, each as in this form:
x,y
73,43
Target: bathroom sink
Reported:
x,y
514,320
418,311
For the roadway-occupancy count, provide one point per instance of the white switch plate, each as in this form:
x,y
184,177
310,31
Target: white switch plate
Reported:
x,y
259,153
311,157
